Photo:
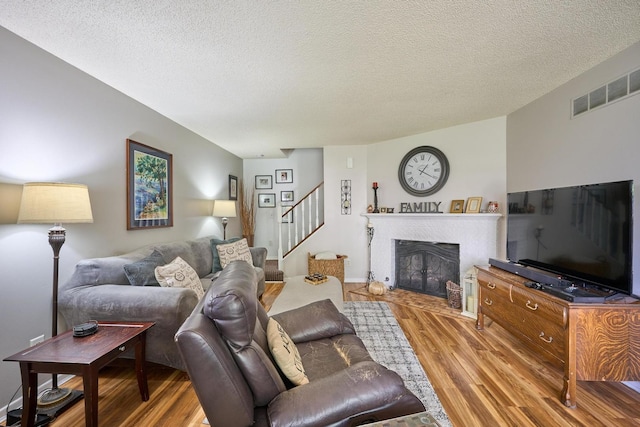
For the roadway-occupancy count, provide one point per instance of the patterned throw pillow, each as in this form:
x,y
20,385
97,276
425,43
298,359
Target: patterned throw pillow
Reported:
x,y
285,353
236,251
179,274
214,249
141,273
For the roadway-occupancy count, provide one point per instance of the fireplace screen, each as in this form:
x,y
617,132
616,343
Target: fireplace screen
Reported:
x,y
426,267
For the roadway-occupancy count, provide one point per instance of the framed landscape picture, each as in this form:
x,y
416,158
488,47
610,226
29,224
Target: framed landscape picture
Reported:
x,y
264,182
284,176
267,200
149,187
286,196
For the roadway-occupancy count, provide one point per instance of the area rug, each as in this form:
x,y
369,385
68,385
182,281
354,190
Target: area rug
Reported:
x,y
378,328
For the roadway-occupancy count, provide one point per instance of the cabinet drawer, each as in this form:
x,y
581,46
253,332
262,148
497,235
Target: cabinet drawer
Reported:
x,y
492,286
542,307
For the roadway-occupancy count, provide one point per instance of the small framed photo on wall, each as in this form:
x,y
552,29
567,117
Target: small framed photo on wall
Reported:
x,y
233,187
264,182
284,176
267,200
286,196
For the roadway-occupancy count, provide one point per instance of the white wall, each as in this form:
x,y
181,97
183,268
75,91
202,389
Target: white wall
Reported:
x,y
59,124
476,153
306,165
546,148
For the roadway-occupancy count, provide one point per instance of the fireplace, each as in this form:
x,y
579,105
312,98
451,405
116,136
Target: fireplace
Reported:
x,y
426,267
475,234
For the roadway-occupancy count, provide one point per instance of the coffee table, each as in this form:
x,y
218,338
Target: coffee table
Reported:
x,y
66,354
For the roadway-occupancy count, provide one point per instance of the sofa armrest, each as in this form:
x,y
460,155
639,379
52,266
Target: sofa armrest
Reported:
x,y
320,319
362,392
259,257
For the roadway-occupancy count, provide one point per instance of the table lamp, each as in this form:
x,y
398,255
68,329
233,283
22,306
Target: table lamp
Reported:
x,y
225,209
55,203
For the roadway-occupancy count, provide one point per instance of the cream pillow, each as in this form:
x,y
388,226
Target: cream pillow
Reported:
x,y
236,251
179,274
326,255
285,353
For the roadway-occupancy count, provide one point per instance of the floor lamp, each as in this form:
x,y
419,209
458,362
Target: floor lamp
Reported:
x,y
55,203
225,209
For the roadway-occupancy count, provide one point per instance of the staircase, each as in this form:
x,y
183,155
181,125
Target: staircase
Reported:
x,y
299,222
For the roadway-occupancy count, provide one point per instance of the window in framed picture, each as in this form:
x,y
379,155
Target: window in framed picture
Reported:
x,y
284,176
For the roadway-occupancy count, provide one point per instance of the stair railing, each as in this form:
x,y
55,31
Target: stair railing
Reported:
x,y
298,222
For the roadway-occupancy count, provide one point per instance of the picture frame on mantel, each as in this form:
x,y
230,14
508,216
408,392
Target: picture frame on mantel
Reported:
x,y
149,187
456,206
473,205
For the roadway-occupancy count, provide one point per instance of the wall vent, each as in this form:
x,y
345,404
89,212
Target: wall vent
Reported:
x,y
620,88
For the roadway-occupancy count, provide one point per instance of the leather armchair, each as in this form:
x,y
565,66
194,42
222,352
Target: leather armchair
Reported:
x,y
224,346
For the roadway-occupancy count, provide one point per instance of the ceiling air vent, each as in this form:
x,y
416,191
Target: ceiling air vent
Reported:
x,y
615,90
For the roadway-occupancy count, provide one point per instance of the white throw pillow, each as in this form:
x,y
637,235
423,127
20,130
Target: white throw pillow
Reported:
x,y
285,353
179,274
326,255
236,251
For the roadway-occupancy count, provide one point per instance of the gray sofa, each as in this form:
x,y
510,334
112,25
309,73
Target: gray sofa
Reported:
x,y
100,290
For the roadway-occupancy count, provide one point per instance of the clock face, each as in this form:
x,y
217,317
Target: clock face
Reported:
x,y
423,171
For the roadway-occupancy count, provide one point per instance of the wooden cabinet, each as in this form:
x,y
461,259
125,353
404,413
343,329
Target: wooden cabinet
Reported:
x,y
591,342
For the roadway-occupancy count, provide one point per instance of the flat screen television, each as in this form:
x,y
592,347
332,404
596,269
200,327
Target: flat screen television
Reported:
x,y
582,233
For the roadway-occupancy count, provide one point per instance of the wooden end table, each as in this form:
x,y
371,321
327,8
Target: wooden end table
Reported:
x,y
66,354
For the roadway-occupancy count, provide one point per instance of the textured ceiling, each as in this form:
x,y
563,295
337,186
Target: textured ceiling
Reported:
x,y
257,77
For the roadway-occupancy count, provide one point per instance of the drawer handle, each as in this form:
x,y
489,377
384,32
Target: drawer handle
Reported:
x,y
547,340
122,348
491,285
532,307
487,301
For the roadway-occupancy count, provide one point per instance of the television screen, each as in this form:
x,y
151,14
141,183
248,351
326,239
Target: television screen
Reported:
x,y
583,233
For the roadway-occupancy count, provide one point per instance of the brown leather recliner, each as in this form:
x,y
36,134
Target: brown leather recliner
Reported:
x,y
224,347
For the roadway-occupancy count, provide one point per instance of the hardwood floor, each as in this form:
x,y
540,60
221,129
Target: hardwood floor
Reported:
x,y
482,378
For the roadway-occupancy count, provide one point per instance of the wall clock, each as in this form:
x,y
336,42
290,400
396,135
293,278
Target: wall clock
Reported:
x,y
423,171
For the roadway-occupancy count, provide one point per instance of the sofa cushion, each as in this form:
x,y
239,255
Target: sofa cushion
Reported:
x,y
179,274
285,353
214,249
142,273
236,251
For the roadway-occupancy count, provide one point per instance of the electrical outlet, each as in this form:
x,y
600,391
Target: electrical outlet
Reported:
x,y
36,340
347,262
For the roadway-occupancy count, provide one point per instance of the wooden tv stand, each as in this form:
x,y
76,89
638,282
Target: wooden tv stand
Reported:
x,y
591,342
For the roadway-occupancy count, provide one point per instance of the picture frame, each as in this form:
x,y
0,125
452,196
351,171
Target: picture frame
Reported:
x,y
233,187
267,200
149,187
284,176
383,210
264,182
288,218
473,205
286,196
457,206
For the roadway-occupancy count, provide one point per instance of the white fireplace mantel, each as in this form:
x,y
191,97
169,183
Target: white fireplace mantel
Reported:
x,y
477,235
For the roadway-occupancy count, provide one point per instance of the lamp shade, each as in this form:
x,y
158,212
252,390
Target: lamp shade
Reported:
x,y
224,208
54,202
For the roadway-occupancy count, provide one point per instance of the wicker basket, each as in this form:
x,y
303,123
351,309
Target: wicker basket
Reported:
x,y
454,295
328,267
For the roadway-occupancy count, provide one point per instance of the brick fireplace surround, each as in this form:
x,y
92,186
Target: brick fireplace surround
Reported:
x,y
477,235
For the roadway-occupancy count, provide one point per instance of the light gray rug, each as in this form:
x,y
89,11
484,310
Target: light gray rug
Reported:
x,y
378,328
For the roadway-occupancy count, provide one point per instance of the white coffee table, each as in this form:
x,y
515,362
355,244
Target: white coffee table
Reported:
x,y
296,293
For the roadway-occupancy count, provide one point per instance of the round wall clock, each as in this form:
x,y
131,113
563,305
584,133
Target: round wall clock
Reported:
x,y
423,171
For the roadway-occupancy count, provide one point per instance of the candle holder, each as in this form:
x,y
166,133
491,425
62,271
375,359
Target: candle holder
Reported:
x,y
370,231
375,199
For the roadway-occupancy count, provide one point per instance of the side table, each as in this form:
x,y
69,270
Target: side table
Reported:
x,y
66,354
